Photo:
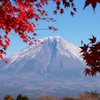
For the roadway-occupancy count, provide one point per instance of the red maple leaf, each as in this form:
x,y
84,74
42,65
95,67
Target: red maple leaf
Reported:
x,y
55,12
5,36
87,71
92,2
72,13
74,9
84,48
34,34
98,1
61,11
93,39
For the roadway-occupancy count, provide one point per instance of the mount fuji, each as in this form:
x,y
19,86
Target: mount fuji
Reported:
x,y
54,67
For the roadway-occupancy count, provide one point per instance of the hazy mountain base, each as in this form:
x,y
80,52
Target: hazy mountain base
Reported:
x,y
35,86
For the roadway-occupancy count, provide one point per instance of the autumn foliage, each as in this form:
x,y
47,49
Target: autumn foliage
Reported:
x,y
8,97
91,2
91,55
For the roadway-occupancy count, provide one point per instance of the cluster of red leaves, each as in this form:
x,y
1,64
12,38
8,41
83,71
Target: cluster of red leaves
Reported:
x,y
92,2
16,14
91,55
66,4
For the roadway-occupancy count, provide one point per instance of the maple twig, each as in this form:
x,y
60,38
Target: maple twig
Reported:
x,y
42,29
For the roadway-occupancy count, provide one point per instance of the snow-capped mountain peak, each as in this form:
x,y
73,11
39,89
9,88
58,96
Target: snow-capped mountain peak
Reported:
x,y
64,47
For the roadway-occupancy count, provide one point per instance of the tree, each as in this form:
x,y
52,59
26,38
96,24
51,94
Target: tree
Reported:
x,y
21,16
46,97
8,97
89,96
25,98
19,97
67,98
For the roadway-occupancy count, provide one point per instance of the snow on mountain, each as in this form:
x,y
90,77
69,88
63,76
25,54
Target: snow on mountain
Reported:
x,y
63,46
55,54
54,67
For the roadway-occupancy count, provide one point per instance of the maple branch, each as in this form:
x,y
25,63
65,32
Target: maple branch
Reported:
x,y
42,29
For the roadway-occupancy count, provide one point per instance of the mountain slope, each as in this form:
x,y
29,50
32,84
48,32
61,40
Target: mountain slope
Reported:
x,y
53,52
54,67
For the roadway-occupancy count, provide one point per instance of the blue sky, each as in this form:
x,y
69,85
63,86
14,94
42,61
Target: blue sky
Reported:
x,y
82,26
